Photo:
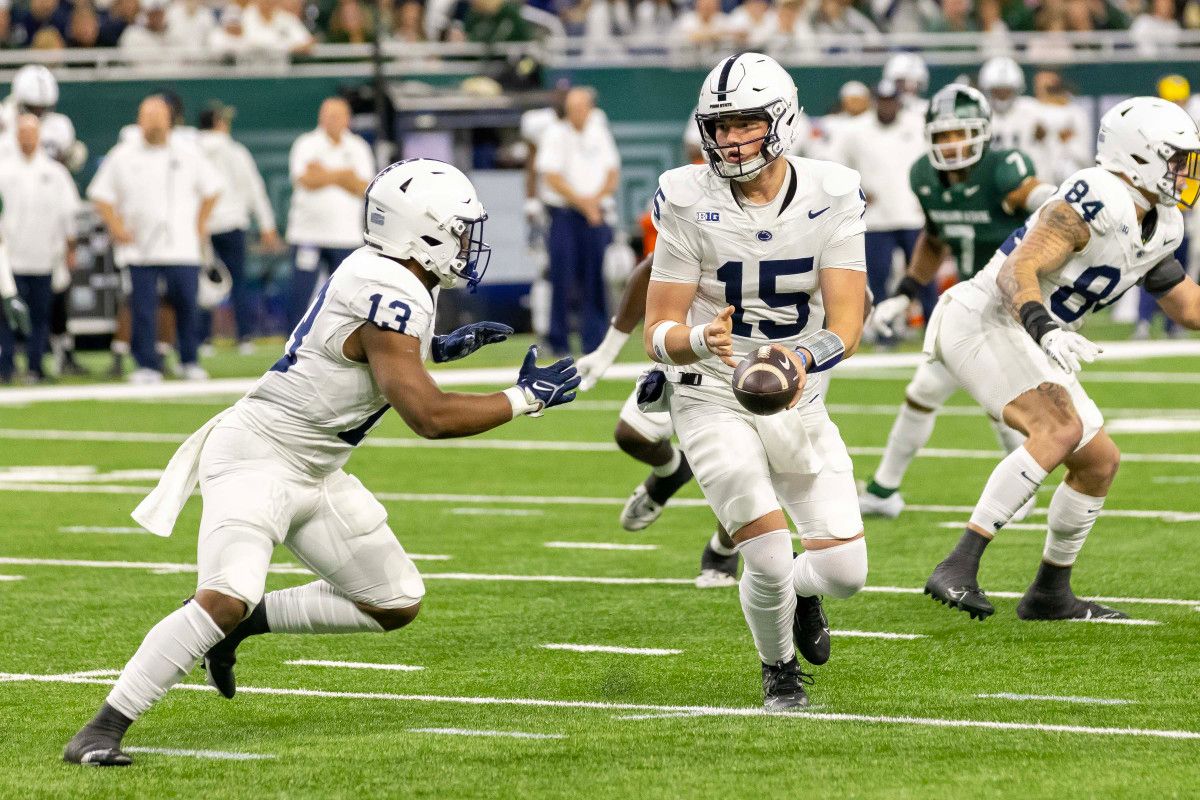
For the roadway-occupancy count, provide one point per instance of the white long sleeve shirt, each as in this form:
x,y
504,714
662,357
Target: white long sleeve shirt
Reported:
x,y
40,206
330,216
157,191
242,189
882,155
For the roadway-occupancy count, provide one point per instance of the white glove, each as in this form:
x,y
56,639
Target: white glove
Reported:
x,y
890,317
535,212
1068,349
593,366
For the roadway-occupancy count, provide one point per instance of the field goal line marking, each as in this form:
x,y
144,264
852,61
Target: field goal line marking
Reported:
x,y
589,579
700,711
217,755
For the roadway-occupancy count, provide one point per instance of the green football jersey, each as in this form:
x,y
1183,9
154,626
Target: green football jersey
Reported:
x,y
969,215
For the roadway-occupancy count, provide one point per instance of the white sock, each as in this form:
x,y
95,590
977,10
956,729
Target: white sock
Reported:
x,y
1008,438
839,571
767,597
718,547
119,348
170,650
1070,518
315,608
1012,483
910,432
669,467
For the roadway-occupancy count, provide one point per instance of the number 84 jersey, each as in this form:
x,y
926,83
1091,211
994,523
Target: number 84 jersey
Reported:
x,y
765,261
1115,258
315,404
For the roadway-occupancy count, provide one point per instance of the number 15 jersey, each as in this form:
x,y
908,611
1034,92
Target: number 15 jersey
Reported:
x,y
315,404
1114,260
765,261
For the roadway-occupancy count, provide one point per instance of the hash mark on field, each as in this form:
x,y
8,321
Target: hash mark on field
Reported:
x,y
308,662
1052,698
498,512
878,635
756,711
601,648
220,755
11,578
600,546
505,734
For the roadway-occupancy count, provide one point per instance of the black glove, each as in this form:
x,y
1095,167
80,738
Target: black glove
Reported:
x,y
467,339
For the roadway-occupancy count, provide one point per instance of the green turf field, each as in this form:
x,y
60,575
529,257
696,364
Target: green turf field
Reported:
x,y
891,717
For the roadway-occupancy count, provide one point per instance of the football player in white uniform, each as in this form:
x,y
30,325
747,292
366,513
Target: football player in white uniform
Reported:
x,y
758,247
1014,113
1009,336
270,468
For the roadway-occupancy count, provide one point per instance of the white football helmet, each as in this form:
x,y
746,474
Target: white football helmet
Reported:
x,y
1155,145
909,71
747,85
1002,80
35,89
427,210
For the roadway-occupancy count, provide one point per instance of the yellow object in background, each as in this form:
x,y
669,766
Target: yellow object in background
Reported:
x,y
1174,88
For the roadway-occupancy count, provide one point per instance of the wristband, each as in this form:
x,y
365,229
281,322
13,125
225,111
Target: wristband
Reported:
x,y
658,342
909,287
696,340
826,348
1037,320
614,340
522,401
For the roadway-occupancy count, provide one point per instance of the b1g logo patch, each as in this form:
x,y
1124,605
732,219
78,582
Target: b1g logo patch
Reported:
x,y
708,216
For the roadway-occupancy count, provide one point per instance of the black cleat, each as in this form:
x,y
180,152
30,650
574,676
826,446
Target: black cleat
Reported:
x,y
1036,605
810,629
716,571
98,744
957,587
783,686
218,671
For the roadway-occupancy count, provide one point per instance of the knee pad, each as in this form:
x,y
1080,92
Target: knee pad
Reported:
x,y
842,569
768,558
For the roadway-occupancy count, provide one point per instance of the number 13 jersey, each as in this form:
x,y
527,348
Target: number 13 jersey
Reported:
x,y
1114,260
765,261
315,404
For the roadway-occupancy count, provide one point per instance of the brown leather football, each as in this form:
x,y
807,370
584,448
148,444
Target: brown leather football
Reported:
x,y
766,381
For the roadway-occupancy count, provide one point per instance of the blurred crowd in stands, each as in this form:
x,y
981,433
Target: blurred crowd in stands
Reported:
x,y
230,28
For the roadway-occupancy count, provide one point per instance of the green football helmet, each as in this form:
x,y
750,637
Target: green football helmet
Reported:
x,y
958,107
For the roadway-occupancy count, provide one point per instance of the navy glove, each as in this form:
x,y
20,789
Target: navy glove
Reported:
x,y
548,386
467,339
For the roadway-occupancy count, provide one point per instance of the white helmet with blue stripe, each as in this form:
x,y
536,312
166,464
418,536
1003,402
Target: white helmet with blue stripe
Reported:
x,y
747,85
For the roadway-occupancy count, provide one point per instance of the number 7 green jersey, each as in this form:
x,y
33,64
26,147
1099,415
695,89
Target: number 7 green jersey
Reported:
x,y
969,216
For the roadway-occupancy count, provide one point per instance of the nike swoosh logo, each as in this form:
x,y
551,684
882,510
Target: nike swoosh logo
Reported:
x,y
783,362
1031,480
956,594
1167,242
1092,510
815,214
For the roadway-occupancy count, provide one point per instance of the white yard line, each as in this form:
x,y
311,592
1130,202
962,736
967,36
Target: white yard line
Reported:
x,y
306,662
218,755
1152,424
602,648
1053,698
1103,621
1012,526
757,711
599,546
586,579
11,578
501,734
497,512
878,635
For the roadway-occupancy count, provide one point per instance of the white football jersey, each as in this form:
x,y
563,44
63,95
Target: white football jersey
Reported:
x,y
765,261
315,403
1115,258
1014,129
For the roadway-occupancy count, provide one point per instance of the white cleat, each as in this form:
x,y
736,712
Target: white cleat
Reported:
x,y
1025,510
145,377
715,579
640,511
193,372
872,506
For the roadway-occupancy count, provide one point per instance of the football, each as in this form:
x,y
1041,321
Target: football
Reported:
x,y
766,380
